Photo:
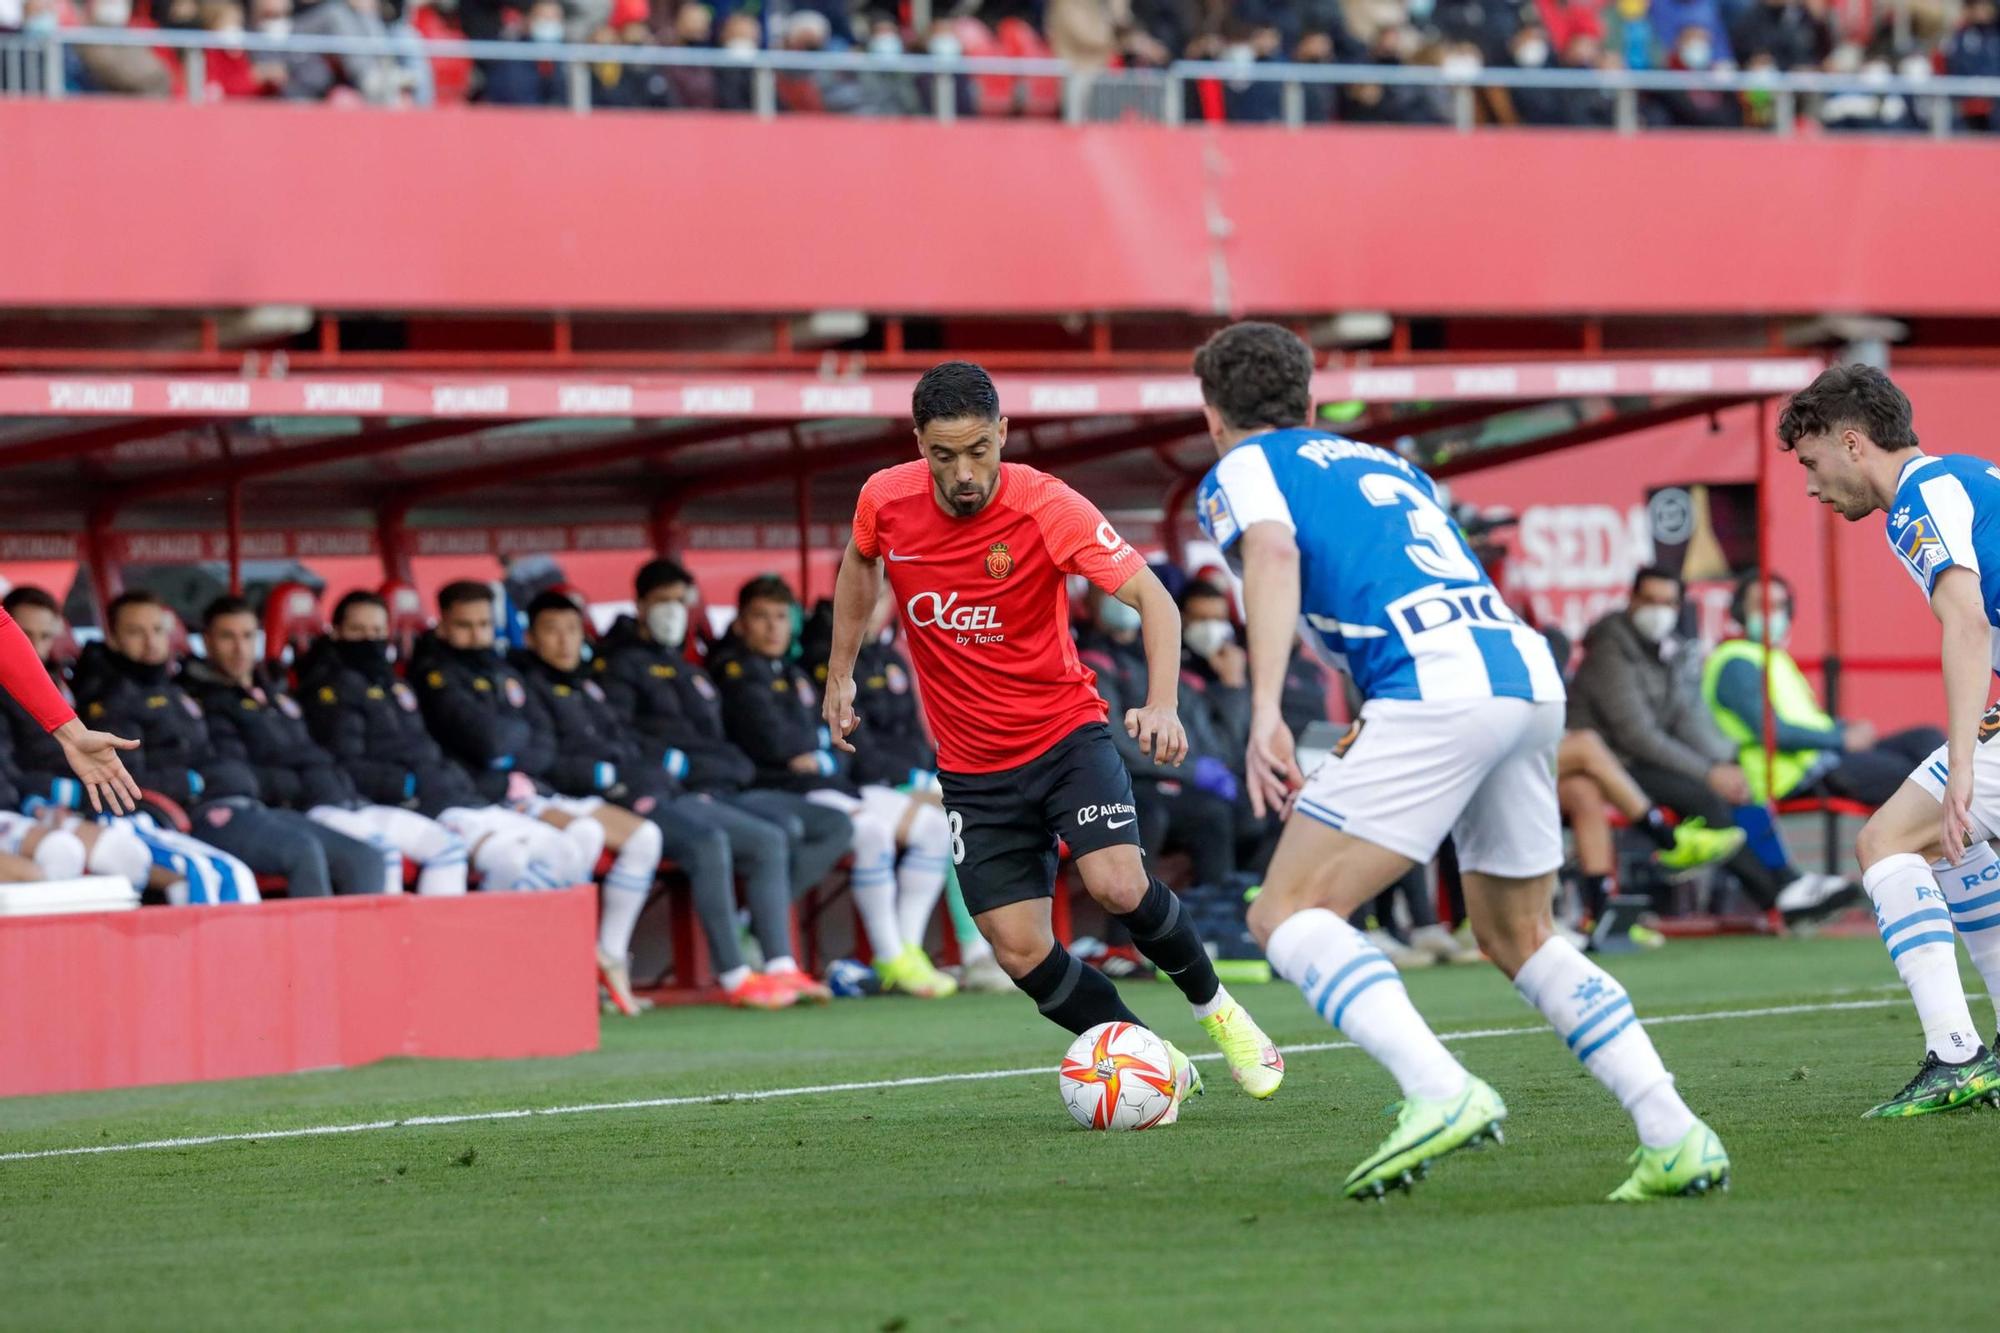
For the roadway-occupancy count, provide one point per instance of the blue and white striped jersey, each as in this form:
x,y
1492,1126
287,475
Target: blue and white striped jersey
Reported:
x,y
1947,516
1388,582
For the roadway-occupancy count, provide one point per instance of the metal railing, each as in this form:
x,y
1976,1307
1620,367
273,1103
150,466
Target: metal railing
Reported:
x,y
33,66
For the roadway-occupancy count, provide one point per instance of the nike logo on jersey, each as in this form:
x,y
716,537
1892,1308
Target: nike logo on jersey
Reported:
x,y
1116,823
899,559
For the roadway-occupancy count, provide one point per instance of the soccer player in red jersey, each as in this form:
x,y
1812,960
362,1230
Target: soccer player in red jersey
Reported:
x,y
977,555
93,754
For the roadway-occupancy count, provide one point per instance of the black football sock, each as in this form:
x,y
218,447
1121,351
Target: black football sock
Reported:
x,y
1166,935
1592,892
1655,826
1073,995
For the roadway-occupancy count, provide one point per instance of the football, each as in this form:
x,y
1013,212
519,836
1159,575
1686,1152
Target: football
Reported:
x,y
1118,1076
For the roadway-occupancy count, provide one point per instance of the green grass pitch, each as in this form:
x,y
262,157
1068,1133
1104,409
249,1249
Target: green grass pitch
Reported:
x,y
976,1204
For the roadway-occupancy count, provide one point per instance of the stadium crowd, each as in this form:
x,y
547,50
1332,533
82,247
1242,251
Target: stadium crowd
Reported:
x,y
1457,36
509,746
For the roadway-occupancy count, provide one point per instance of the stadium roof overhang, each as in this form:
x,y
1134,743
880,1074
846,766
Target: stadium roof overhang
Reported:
x,y
139,469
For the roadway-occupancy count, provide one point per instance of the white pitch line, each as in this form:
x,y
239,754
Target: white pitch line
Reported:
x,y
822,1089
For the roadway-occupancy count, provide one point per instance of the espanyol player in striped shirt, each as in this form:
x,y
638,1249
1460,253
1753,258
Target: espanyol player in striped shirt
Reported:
x,y
1458,736
1925,856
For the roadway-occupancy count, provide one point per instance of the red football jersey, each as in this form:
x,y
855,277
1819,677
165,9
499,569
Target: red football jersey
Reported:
x,y
985,607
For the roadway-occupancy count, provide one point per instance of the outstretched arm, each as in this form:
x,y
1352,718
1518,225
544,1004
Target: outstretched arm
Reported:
x,y
854,594
92,754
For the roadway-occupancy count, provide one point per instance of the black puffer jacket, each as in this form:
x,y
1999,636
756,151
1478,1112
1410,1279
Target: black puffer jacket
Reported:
x,y
671,704
267,729
369,721
176,756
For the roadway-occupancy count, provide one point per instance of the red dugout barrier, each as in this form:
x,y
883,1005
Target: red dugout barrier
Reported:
x,y
173,995
531,210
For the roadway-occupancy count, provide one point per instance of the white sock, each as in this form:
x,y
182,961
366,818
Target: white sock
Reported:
x,y
920,877
733,978
873,881
1911,914
1352,986
1215,1005
61,854
584,840
122,852
1591,1011
783,962
627,886
444,870
392,865
1972,891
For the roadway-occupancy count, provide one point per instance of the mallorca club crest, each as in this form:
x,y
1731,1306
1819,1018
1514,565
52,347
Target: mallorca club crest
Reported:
x,y
999,563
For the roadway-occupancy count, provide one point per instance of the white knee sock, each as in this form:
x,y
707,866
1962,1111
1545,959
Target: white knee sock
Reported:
x,y
1972,892
874,884
1352,986
444,868
1591,1011
585,843
506,863
60,854
122,852
920,875
626,887
392,865
1911,914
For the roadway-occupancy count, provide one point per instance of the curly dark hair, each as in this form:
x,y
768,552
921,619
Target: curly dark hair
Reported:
x,y
1842,396
954,389
1256,374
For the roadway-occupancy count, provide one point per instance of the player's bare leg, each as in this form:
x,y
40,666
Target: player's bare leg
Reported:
x,y
1116,878
1918,894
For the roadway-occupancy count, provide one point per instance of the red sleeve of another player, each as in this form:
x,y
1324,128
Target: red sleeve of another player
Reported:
x,y
865,540
1083,542
23,676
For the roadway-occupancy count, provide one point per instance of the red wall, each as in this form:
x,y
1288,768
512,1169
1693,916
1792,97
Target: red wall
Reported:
x,y
1574,554
114,204
175,995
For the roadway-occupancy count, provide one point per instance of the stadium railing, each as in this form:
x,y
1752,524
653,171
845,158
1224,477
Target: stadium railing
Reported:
x,y
31,66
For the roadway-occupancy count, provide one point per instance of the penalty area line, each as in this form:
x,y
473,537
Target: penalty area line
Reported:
x,y
830,1089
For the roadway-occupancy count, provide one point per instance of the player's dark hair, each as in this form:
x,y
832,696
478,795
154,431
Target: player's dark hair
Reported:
x,y
954,389
1840,397
1256,374
28,595
1746,588
1200,588
126,600
544,602
764,588
1672,576
461,591
225,605
359,597
661,573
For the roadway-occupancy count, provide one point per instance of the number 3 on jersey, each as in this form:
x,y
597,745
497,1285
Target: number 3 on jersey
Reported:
x,y
1436,550
957,836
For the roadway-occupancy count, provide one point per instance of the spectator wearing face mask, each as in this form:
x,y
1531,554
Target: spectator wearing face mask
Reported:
x,y
231,72
1672,20
375,79
1629,690
1537,106
128,71
1873,108
530,82
1816,754
735,88
293,76
1702,109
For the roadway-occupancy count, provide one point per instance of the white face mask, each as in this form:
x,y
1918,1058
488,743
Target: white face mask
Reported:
x,y
740,46
1655,623
1916,68
1696,55
1114,617
946,46
278,29
39,25
546,31
667,622
885,44
111,13
1460,65
1532,54
1242,53
1781,628
1203,637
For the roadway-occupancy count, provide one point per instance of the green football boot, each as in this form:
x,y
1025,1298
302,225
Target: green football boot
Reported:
x,y
1694,1166
1426,1129
1942,1087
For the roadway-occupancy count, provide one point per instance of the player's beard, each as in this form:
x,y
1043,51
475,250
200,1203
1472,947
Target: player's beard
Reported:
x,y
964,504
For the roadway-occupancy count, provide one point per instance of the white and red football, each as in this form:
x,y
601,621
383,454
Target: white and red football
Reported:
x,y
1118,1076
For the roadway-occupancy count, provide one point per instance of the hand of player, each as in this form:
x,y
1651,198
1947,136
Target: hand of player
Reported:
x,y
1157,728
1728,782
1956,823
1270,765
93,756
836,708
1860,735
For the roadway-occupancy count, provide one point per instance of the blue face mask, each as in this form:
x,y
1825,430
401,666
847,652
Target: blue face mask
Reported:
x,y
39,25
1114,617
1781,628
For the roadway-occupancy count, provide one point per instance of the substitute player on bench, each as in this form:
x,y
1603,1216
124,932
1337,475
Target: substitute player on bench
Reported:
x,y
977,556
1458,736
